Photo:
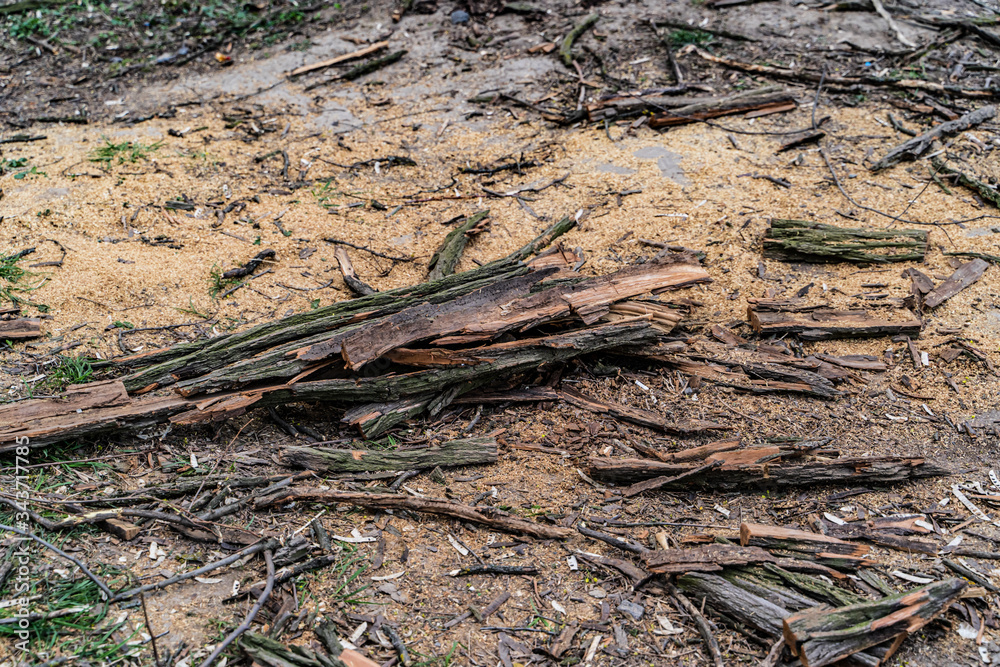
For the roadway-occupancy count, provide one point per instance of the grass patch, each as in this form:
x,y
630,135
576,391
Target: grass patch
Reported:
x,y
71,370
13,279
126,151
684,37
217,284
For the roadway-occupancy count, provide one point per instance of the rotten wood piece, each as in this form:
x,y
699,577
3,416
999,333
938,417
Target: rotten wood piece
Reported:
x,y
917,146
830,551
21,328
706,558
804,241
828,323
486,516
471,451
75,398
763,467
823,635
964,276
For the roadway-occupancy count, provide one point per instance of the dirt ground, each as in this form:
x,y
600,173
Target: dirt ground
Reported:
x,y
130,202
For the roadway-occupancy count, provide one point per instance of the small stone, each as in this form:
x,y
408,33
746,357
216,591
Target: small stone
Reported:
x,y
458,16
598,593
632,609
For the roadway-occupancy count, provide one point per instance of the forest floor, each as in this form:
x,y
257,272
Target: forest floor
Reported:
x,y
135,150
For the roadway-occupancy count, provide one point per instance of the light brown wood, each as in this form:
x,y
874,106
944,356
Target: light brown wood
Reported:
x,y
346,57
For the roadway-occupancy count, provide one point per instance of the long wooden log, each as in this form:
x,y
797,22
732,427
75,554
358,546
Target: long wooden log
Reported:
x,y
470,451
821,635
804,241
726,106
486,516
851,471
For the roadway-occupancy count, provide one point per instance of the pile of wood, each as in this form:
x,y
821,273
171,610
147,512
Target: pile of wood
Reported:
x,y
386,357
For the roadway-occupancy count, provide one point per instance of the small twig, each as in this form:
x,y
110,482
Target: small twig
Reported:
x,y
152,635
266,545
699,619
245,625
370,251
848,197
90,575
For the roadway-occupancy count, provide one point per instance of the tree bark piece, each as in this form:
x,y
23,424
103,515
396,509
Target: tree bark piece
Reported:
x,y
827,550
821,635
827,324
706,558
740,103
803,241
21,328
734,603
472,451
964,276
768,473
444,261
917,146
77,397
667,480
486,516
355,284
758,378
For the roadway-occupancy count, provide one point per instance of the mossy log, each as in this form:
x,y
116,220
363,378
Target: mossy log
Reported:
x,y
803,241
444,261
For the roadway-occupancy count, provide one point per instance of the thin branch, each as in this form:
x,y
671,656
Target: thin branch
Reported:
x,y
245,625
90,575
703,627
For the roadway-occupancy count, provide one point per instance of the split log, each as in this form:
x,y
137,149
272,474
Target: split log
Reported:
x,y
766,473
165,366
733,603
821,636
823,549
444,261
707,558
917,146
21,328
471,451
487,516
827,324
740,103
964,276
803,241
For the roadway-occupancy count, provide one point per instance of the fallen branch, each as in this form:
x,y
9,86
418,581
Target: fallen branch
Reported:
x,y
343,58
487,516
444,261
245,625
105,591
566,50
917,146
704,629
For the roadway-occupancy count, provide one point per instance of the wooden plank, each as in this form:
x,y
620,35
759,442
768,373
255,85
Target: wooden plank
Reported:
x,y
964,276
21,328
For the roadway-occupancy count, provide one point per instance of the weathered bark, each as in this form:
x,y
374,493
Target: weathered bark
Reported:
x,y
707,558
734,603
21,328
667,480
757,378
771,474
486,516
76,397
823,549
803,241
983,189
444,261
917,146
471,451
826,324
821,636
963,276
